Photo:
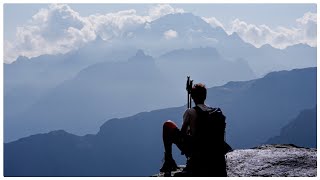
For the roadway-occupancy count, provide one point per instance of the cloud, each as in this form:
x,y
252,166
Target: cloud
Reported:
x,y
112,25
213,22
308,27
305,32
53,30
161,10
60,29
170,34
9,52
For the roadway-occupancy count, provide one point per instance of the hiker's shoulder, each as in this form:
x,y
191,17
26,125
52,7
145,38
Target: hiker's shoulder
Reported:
x,y
206,108
190,112
202,107
210,108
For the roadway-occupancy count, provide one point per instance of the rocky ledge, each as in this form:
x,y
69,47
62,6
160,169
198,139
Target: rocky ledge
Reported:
x,y
270,161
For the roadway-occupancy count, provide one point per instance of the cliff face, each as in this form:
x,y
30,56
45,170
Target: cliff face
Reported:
x,y
301,131
271,161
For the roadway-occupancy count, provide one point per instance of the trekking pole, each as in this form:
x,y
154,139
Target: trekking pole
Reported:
x,y
190,94
188,88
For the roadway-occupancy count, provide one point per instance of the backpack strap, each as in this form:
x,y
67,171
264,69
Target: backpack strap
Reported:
x,y
198,109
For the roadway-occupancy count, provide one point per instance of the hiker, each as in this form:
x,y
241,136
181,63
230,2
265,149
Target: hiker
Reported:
x,y
201,159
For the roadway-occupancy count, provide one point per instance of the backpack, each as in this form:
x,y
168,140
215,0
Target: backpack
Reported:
x,y
209,147
210,131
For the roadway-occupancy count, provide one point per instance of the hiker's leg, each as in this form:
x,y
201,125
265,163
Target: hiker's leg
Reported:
x,y
169,135
172,135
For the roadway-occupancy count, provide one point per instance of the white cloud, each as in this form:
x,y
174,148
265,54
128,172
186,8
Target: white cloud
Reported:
x,y
170,34
56,29
59,29
113,25
281,37
213,22
308,27
9,52
163,9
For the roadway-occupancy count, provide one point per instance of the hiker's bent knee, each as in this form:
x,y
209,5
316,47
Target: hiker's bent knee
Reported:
x,y
170,125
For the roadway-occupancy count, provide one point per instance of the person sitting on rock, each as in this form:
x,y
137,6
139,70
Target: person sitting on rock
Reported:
x,y
187,141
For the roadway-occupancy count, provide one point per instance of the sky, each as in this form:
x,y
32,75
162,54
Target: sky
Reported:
x,y
273,16
279,25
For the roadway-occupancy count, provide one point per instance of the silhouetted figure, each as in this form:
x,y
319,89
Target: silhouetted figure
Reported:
x,y
201,138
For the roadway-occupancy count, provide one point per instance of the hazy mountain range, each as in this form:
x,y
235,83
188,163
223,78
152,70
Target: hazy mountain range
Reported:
x,y
256,110
141,70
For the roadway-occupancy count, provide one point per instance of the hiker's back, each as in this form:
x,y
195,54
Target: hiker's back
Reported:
x,y
208,154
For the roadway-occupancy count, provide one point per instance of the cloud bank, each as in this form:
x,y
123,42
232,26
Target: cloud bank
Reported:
x,y
60,29
305,32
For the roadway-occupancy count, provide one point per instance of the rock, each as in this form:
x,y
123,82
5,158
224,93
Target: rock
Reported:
x,y
269,161
161,174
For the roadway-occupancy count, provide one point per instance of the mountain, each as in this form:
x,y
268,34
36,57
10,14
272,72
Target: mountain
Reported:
x,y
256,110
123,147
53,89
186,25
267,59
181,30
99,92
190,31
27,80
85,98
301,131
203,63
186,30
172,31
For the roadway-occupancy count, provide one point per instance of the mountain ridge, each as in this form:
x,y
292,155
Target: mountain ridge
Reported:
x,y
122,142
301,130
90,90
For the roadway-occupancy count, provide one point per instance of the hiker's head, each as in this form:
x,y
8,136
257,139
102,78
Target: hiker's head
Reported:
x,y
199,93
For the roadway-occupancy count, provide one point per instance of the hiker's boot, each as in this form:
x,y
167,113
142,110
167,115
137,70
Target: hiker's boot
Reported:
x,y
169,164
188,168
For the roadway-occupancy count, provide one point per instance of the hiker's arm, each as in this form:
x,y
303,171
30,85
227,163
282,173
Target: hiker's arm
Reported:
x,y
186,122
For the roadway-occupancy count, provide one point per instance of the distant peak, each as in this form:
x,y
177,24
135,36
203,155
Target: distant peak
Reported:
x,y
21,58
235,35
266,46
141,57
299,45
178,18
58,132
140,53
